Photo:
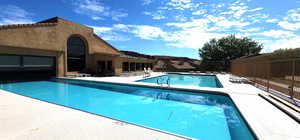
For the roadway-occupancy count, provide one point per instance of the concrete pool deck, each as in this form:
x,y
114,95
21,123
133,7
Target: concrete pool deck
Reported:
x,y
23,118
26,118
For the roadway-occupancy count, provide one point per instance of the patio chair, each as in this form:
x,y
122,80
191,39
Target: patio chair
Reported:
x,y
149,71
235,79
146,73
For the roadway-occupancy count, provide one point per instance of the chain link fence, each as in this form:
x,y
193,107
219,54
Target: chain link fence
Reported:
x,y
280,77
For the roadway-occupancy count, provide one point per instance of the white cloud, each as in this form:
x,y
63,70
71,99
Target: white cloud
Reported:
x,y
190,24
227,23
101,29
286,43
118,15
199,12
90,5
11,14
97,18
195,33
293,15
224,23
272,20
237,9
278,34
203,23
254,29
158,15
255,9
292,20
97,10
257,18
289,26
108,33
121,27
147,32
190,38
182,4
180,17
147,2
241,12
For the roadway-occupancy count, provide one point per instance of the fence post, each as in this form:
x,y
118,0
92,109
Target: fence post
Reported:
x,y
293,77
255,66
268,75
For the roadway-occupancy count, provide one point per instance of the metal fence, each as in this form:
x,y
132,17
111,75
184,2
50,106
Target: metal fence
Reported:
x,y
281,77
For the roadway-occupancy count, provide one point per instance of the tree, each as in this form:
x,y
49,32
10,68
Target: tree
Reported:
x,y
284,53
229,48
216,54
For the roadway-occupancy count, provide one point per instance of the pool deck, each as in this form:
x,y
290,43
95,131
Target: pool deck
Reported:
x,y
26,118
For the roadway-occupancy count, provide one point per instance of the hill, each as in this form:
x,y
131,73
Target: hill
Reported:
x,y
169,63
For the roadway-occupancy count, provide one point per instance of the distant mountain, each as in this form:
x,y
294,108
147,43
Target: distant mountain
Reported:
x,y
135,54
169,63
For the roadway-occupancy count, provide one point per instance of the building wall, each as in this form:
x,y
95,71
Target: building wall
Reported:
x,y
133,60
103,57
50,39
31,37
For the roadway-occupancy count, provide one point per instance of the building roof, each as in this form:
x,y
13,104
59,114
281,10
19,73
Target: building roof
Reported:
x,y
96,36
16,26
58,19
136,55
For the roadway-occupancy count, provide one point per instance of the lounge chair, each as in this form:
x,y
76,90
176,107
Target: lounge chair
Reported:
x,y
76,74
146,73
149,71
236,79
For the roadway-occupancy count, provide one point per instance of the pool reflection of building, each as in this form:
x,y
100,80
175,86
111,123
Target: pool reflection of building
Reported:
x,y
59,47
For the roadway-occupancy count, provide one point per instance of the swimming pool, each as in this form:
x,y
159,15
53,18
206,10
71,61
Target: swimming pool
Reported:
x,y
186,80
197,115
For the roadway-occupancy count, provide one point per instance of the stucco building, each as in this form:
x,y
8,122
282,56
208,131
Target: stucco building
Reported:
x,y
59,47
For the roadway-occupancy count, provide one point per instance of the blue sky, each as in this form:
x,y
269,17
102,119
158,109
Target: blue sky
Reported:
x,y
169,27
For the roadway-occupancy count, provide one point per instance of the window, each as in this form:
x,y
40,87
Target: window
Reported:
x,y
125,66
132,66
12,63
76,52
146,65
138,66
33,61
9,61
109,65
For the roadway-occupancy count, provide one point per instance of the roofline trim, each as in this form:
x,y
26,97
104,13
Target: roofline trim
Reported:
x,y
18,26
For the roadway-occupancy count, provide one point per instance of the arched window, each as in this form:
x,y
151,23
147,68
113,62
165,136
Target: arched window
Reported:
x,y
76,53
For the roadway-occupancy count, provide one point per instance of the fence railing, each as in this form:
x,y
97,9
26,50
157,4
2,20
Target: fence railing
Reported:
x,y
281,77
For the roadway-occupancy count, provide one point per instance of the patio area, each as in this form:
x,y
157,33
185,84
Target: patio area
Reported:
x,y
27,118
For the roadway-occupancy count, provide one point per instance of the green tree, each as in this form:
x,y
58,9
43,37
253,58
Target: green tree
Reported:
x,y
228,48
217,53
284,53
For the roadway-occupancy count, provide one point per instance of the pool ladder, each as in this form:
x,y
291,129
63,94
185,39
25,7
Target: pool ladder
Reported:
x,y
160,81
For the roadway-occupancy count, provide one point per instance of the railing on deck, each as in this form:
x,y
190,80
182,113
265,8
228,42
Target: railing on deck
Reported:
x,y
280,77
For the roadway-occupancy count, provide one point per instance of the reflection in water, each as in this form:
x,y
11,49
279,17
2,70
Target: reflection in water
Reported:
x,y
188,80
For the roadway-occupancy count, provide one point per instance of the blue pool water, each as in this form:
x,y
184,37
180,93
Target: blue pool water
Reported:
x,y
186,80
196,115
